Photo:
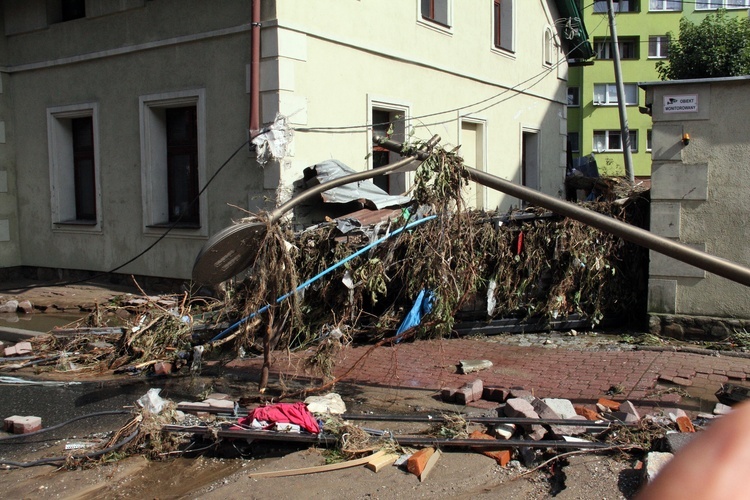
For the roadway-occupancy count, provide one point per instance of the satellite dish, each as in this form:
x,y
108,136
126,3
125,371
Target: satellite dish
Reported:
x,y
228,252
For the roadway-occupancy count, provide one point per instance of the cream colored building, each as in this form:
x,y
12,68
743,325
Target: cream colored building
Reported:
x,y
114,114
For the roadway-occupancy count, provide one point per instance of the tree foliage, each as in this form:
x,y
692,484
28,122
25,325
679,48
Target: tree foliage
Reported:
x,y
717,47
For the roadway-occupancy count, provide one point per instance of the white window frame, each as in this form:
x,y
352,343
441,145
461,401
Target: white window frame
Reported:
x,y
604,52
154,160
435,25
402,179
608,148
549,49
508,17
616,4
721,4
61,175
610,94
660,44
664,6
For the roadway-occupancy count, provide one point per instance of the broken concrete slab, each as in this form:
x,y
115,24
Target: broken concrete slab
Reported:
x,y
517,407
25,307
722,409
562,407
629,408
655,462
10,306
473,365
675,441
330,403
522,394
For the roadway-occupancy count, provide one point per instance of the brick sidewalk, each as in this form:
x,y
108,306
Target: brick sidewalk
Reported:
x,y
649,379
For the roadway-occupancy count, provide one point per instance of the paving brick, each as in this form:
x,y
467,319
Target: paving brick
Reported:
x,y
502,456
494,393
26,425
685,382
417,462
10,351
448,394
8,423
23,348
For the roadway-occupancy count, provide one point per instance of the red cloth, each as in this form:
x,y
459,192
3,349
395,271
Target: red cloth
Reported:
x,y
284,413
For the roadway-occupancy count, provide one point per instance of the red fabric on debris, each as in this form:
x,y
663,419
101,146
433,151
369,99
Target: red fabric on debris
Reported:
x,y
284,413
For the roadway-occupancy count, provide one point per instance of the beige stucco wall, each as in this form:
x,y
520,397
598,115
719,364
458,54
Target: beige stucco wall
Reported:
x,y
331,67
699,195
320,70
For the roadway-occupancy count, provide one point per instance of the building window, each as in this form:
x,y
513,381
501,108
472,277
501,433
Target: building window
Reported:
x,y
388,121
503,24
600,6
658,46
74,166
606,94
628,48
72,9
574,142
665,5
611,141
574,99
173,166
721,4
437,11
550,52
648,140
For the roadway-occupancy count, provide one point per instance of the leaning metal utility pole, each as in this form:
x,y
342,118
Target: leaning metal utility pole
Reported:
x,y
624,130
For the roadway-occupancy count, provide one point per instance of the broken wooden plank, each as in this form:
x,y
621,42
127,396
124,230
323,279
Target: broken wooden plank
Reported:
x,y
377,463
430,465
319,468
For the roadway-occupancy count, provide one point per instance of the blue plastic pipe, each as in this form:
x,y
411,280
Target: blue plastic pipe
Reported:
x,y
323,273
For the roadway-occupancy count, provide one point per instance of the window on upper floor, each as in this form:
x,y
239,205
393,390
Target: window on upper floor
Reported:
x,y
172,142
658,46
721,4
600,6
72,9
574,142
665,5
611,141
502,24
574,97
74,177
628,48
648,140
550,50
437,11
606,94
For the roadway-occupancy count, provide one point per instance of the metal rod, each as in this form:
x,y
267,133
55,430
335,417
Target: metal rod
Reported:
x,y
721,267
401,440
482,420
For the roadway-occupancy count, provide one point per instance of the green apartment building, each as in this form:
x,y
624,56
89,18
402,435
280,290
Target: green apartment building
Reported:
x,y
642,30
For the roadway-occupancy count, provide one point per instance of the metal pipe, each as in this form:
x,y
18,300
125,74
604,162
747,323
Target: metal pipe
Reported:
x,y
255,69
702,260
482,420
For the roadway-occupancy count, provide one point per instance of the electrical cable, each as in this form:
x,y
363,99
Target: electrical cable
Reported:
x,y
4,440
58,460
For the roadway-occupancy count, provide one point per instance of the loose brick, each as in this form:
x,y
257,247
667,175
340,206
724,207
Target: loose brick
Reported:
x,y
25,307
586,412
26,425
497,394
448,394
417,462
221,404
685,425
8,423
464,396
10,351
163,368
522,394
23,348
501,456
608,403
629,408
685,382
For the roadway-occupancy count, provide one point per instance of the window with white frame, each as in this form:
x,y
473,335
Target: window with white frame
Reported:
x,y
172,157
550,52
436,11
628,46
658,46
73,141
611,141
721,4
606,94
665,5
600,6
574,97
503,24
